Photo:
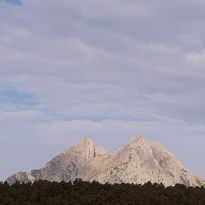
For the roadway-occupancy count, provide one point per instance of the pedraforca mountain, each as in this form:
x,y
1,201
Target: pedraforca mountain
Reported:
x,y
138,162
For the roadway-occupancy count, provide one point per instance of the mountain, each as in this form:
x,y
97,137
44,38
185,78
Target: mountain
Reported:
x,y
138,162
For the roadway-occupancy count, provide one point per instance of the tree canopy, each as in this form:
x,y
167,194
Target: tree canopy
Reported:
x,y
43,192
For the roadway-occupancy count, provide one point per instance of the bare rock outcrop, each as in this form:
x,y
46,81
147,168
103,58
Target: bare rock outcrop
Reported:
x,y
138,161
64,167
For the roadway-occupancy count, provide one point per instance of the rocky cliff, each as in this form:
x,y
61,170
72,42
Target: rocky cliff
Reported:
x,y
138,161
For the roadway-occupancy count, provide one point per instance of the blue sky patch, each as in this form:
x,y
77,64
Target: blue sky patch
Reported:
x,y
15,2
13,96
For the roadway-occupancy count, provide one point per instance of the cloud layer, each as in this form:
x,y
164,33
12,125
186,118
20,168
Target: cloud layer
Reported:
x,y
105,70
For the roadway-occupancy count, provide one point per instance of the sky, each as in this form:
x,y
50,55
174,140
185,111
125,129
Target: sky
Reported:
x,y
106,70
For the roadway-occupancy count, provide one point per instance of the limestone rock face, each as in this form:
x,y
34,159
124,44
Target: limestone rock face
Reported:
x,y
138,161
100,151
64,167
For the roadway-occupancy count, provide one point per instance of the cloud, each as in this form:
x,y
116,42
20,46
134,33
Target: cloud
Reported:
x,y
102,69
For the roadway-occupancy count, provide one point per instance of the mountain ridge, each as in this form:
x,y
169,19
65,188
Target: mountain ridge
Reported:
x,y
139,161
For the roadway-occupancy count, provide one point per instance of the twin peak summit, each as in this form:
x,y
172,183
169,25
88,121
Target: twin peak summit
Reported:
x,y
139,161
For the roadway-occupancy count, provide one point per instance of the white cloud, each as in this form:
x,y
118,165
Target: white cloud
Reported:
x,y
92,66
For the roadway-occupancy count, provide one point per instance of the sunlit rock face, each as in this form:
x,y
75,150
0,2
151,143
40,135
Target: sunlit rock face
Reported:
x,y
138,162
64,167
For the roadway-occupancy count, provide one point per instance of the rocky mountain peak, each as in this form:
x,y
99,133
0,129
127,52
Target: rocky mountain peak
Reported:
x,y
139,161
84,147
85,142
99,151
137,139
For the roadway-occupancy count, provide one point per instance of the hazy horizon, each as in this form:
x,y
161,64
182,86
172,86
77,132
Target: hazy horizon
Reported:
x,y
105,70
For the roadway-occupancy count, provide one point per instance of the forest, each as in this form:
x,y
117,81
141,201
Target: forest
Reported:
x,y
43,192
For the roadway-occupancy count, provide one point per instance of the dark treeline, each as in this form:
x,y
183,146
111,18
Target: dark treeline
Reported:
x,y
79,192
